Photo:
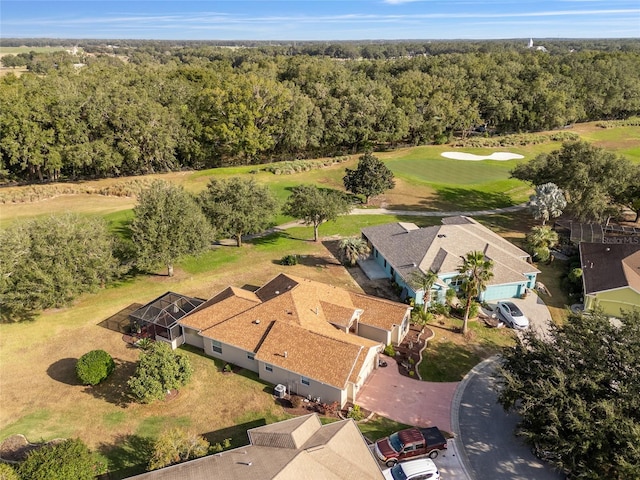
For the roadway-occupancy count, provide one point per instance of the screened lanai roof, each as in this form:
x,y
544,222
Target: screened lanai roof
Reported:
x,y
166,310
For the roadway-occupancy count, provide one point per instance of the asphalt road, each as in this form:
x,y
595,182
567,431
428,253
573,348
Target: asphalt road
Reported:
x,y
491,450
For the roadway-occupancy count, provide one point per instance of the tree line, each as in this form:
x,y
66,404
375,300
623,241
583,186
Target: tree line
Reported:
x,y
200,107
49,261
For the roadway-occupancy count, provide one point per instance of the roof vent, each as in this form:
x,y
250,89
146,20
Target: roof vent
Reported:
x,y
442,235
257,321
248,464
285,354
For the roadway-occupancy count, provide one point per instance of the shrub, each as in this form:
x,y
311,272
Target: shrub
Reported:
x,y
390,351
159,370
7,472
177,445
330,408
62,461
289,260
144,343
94,367
296,401
440,309
412,373
217,448
356,413
228,368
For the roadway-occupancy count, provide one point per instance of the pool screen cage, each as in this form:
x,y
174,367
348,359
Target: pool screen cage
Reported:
x,y
160,316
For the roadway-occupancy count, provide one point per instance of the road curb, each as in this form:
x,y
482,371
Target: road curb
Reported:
x,y
455,410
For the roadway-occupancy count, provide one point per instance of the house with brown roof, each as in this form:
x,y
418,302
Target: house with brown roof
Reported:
x,y
317,340
611,276
400,249
297,448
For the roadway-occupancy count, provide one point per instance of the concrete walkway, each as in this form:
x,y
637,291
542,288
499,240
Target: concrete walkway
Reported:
x,y
408,400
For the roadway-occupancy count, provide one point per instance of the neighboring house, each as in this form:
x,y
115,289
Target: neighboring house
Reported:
x,y
610,276
292,449
401,249
317,340
158,319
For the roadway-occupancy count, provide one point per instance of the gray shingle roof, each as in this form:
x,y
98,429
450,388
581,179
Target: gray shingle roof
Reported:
x,y
297,448
440,248
609,266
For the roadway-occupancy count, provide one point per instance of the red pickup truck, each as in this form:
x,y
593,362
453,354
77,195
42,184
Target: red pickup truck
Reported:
x,y
410,443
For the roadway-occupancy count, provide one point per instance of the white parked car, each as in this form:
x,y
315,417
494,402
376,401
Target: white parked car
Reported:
x,y
419,469
513,315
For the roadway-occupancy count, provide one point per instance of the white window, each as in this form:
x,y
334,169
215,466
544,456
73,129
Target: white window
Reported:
x,y
268,368
216,346
305,381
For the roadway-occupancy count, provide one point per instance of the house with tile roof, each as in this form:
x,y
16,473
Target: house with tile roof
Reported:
x,y
317,340
400,249
297,448
610,276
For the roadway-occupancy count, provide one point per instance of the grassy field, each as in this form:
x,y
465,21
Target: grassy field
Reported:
x,y
41,398
23,49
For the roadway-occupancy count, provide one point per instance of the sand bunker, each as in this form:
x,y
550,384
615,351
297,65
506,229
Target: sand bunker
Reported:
x,y
500,156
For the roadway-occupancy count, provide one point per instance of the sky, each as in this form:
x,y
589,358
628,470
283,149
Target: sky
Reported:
x,y
322,20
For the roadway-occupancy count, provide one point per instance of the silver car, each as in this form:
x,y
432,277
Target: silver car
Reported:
x,y
419,469
513,315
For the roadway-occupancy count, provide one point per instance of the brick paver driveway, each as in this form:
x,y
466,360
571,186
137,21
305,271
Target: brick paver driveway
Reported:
x,y
407,400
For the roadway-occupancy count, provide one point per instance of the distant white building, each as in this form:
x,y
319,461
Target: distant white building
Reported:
x,y
539,48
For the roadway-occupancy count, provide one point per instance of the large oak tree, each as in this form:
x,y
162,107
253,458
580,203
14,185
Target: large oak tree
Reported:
x,y
168,223
590,176
371,177
237,207
578,394
315,206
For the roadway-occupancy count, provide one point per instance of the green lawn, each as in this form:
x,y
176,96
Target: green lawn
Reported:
x,y
41,399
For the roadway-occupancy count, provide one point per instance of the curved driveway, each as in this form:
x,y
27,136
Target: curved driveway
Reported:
x,y
490,448
408,400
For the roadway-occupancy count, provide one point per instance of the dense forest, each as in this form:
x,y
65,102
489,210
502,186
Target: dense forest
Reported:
x,y
141,107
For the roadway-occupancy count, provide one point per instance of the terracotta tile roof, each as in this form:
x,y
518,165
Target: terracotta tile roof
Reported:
x,y
311,354
379,312
296,315
337,314
610,266
282,451
219,308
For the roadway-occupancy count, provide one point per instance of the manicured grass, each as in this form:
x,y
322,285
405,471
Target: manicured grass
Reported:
x,y
449,356
379,427
446,362
551,276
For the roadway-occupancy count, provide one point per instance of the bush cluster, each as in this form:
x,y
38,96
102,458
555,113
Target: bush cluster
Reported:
x,y
356,413
629,122
289,260
297,166
34,193
390,351
94,367
516,140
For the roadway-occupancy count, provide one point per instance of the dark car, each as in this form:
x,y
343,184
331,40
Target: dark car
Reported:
x,y
410,443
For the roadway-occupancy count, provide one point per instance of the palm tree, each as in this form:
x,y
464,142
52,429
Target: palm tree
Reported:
x,y
353,249
423,281
475,272
547,203
540,240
